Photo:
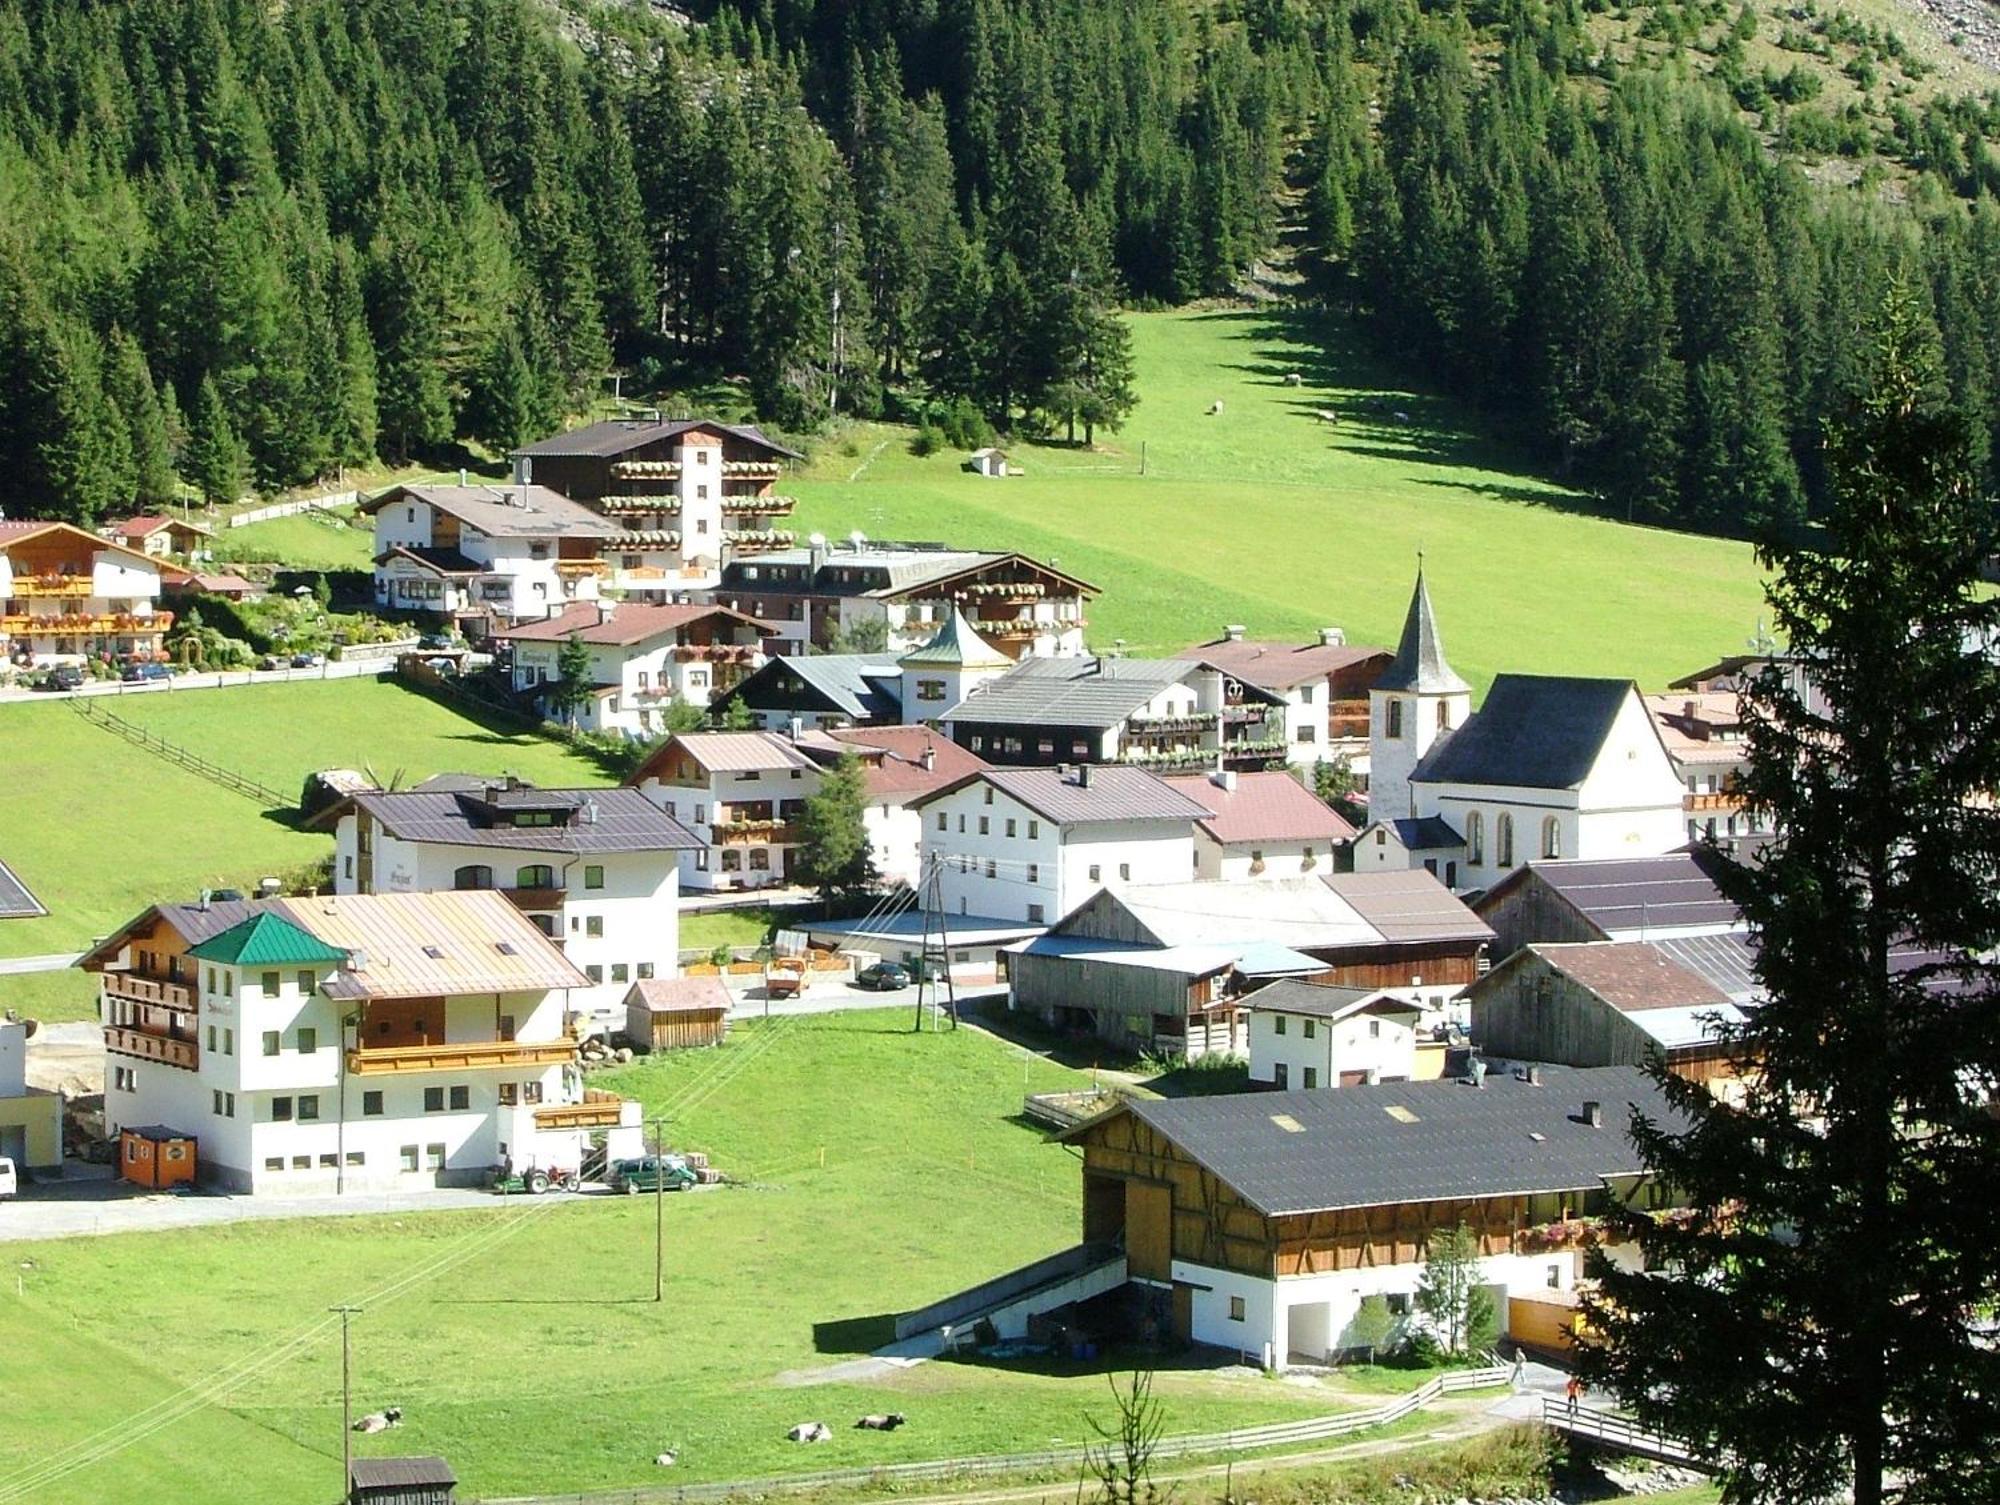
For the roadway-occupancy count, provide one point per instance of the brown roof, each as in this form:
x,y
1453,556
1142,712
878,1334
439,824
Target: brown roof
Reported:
x,y
225,584
679,995
1281,666
899,775
148,524
433,944
1631,975
1262,807
722,752
504,511
1084,794
625,624
20,530
1682,716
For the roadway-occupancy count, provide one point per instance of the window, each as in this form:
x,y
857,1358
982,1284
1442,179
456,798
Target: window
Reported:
x,y
1311,1077
356,1157
1278,1024
991,867
594,972
1444,715
228,1041
1034,830
944,821
1555,1277
408,1157
594,925
305,981
1279,1075
593,877
124,1079
1395,731
535,875
509,1094
308,1041
1503,840
1235,1308
983,826
1095,870
989,794
225,1104
433,1157
1374,1029
760,859
474,875
371,1105
1552,839
701,860
1475,838
1034,872
1125,872
461,1099
621,972
270,1042
531,1092
1399,1303
643,971
1307,734
272,983
1036,914
281,1110
309,1108
1311,1028
700,814
930,689
211,1039
701,495
274,1162
329,1162
1010,826
433,1099
732,860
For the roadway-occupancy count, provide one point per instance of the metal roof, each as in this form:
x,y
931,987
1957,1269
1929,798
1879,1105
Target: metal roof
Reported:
x,y
400,1473
1288,1153
16,902
621,624
1092,692
1323,1001
957,644
1426,833
1408,906
1281,666
625,821
1725,961
1271,806
436,561
267,940
679,995
616,436
728,752
1304,913
1533,731
1252,958
433,944
1628,898
1631,976
860,685
1085,794
505,511
1419,666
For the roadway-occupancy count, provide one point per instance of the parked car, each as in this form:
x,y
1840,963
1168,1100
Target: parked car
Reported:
x,y
651,1173
267,663
883,977
62,677
225,895
10,1179
307,660
435,640
140,674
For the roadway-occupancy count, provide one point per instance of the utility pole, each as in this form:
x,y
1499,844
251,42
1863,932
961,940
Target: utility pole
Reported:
x,y
659,1209
346,1402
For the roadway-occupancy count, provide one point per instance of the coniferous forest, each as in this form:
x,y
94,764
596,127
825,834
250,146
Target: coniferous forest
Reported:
x,y
242,244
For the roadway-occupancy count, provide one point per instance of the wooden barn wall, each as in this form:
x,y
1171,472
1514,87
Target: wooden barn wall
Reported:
x,y
1211,1225
1394,966
1050,982
1535,1013
1530,913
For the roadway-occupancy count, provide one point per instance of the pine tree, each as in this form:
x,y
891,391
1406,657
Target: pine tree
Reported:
x,y
1452,1294
216,462
1808,1322
569,692
129,384
834,852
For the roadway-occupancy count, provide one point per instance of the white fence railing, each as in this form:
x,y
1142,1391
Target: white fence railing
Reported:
x,y
318,503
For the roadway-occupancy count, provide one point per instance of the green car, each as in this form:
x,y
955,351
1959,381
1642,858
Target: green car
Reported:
x,y
651,1173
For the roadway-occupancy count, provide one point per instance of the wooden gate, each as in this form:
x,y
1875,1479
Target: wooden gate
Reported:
x,y
1149,1230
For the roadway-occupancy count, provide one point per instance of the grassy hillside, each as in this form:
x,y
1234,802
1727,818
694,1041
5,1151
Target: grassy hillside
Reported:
x,y
1266,516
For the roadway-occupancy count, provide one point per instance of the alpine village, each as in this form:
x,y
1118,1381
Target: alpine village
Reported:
x,y
999,752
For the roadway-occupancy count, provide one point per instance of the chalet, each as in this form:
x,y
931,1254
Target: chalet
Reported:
x,y
1260,825
157,535
1324,685
1548,768
1607,1003
348,1043
1187,953
741,794
1309,1035
905,591
1161,714
474,554
687,496
67,595
1703,734
1033,843
821,691
595,870
1261,1221
1672,896
643,658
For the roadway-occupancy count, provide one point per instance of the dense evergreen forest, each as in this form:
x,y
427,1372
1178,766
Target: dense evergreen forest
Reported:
x,y
244,243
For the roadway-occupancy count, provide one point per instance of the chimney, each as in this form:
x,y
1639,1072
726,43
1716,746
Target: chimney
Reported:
x,y
461,475
1332,637
202,902
1593,1113
1083,775
590,812
1534,1076
796,727
605,606
1478,1069
1688,708
357,960
1224,779
1233,633
929,758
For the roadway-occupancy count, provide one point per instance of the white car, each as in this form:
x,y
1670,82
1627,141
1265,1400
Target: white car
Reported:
x,y
10,1180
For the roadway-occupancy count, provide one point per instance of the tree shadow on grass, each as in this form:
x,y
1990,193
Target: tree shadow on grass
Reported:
x,y
855,1335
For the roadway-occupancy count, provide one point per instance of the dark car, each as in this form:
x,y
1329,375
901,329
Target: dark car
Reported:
x,y
268,663
883,977
307,660
434,640
63,677
226,895
651,1173
139,674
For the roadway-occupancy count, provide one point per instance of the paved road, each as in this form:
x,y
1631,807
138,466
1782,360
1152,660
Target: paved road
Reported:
x,y
836,997
53,961
100,689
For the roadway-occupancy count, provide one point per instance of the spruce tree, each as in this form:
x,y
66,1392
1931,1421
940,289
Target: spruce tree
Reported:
x,y
834,851
216,462
129,383
1811,1321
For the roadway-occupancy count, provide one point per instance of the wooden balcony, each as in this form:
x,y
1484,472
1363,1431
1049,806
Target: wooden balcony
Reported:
x,y
53,587
165,1049
536,900
598,1110
759,541
1163,726
766,469
580,567
465,1055
1723,801
737,833
86,624
639,506
646,470
156,991
734,505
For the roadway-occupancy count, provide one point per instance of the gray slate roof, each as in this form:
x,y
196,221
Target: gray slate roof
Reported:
x,y
1290,996
1419,666
16,902
615,436
1426,833
506,511
626,820
1112,793
1632,894
401,1473
1089,692
1534,731
858,685
1452,1141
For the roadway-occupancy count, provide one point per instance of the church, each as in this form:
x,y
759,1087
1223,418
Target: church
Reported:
x,y
1548,767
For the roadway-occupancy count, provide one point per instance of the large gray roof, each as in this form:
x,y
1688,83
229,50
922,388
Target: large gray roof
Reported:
x,y
1419,666
506,511
1099,792
1534,731
626,821
1090,692
1288,1153
616,436
1306,913
1624,896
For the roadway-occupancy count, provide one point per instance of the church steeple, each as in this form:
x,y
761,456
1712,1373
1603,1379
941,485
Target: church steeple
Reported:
x,y
1420,667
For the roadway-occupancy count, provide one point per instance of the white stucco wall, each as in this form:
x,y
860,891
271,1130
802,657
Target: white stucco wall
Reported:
x,y
1331,1047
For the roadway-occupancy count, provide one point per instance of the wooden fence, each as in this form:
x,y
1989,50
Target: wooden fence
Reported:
x,y
88,708
1619,1433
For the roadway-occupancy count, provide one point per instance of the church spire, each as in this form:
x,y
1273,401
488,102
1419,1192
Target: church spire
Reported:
x,y
1420,666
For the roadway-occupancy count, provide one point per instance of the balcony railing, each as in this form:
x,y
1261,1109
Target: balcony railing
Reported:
x,y
748,832
86,625
1253,754
535,898
716,653
646,470
43,587
757,540
1183,760
165,1049
753,504
750,467
1236,715
1194,721
598,1110
156,991
1715,801
582,567
466,1055
638,506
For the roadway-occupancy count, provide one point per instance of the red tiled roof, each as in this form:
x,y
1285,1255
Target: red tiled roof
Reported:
x,y
1280,666
900,775
1262,807
625,625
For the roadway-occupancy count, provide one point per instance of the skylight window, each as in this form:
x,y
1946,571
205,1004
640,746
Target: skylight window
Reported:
x,y
505,948
1288,1123
433,953
1398,1112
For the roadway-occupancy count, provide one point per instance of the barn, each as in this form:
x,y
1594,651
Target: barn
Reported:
x,y
677,1013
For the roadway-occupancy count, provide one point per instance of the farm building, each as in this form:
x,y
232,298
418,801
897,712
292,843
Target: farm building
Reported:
x,y
401,1481
1622,899
989,462
677,1013
1264,1219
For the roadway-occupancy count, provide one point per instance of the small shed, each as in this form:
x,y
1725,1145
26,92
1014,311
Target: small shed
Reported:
x,y
155,1156
677,1013
989,462
401,1481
